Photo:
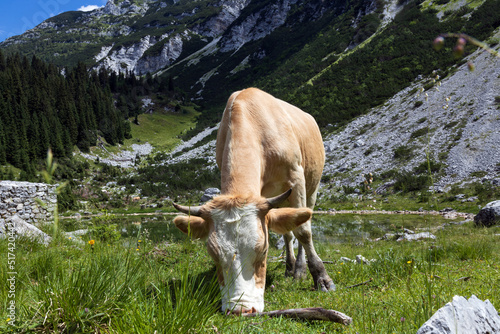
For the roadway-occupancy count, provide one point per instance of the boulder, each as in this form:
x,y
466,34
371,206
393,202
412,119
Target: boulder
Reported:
x,y
463,316
22,228
416,236
209,194
280,244
489,215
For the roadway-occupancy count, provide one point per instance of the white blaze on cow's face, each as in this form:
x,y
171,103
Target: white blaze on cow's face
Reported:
x,y
238,243
236,231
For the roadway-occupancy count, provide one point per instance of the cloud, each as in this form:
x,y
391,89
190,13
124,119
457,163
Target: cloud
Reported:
x,y
88,8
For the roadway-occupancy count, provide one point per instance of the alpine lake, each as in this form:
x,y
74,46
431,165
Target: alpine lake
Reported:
x,y
327,228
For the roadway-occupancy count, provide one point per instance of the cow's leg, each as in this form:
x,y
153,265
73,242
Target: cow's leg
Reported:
x,y
298,200
290,256
321,279
303,233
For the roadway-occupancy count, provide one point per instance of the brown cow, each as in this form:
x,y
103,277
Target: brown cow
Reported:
x,y
265,147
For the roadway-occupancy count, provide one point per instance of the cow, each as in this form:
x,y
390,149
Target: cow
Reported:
x,y
271,157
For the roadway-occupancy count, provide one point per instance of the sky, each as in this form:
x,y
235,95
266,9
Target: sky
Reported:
x,y
20,15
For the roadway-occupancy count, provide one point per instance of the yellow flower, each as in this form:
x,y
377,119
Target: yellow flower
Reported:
x,y
137,249
8,319
70,238
91,242
409,262
139,240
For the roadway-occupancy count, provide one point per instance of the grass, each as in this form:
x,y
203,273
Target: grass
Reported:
x,y
137,285
162,129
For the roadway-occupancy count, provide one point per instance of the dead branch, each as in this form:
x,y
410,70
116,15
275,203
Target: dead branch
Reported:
x,y
362,283
309,313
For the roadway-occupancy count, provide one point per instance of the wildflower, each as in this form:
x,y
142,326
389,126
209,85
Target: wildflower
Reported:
x,y
86,310
92,242
8,319
409,262
403,319
137,249
69,238
438,43
139,240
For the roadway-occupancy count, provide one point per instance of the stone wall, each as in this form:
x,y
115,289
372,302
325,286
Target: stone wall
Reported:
x,y
20,198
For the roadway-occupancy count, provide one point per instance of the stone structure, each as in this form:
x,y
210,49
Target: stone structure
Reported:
x,y
21,198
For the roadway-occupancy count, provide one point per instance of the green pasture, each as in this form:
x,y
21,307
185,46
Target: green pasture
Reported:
x,y
162,129
133,284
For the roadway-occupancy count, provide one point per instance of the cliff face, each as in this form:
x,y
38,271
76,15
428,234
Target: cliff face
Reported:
x,y
144,36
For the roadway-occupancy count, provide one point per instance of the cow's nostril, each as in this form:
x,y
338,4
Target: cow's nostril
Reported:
x,y
242,310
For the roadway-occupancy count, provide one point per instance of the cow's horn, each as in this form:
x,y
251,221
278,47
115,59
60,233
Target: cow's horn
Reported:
x,y
189,210
274,202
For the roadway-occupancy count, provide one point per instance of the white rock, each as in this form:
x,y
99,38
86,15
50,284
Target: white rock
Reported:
x,y
23,228
463,316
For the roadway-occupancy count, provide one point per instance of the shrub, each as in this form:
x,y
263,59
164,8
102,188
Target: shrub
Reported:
x,y
424,167
402,152
409,182
418,104
419,132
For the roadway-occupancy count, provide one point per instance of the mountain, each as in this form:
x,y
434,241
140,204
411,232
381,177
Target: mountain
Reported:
x,y
356,66
199,43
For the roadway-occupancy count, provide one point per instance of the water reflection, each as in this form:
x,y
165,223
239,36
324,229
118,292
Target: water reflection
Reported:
x,y
340,228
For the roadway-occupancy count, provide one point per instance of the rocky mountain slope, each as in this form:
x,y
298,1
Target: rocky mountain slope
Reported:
x,y
453,121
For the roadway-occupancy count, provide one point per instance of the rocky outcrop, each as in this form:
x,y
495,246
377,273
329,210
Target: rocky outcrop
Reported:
x,y
171,50
463,316
489,215
15,227
257,25
32,202
218,24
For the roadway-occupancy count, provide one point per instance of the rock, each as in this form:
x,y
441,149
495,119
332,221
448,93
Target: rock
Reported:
x,y
23,228
418,236
446,210
281,243
361,259
330,146
384,188
470,199
75,235
489,215
209,194
346,259
359,143
463,316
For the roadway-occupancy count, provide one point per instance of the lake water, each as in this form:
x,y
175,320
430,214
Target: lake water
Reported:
x,y
339,228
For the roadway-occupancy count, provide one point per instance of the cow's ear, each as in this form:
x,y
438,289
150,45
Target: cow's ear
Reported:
x,y
195,227
287,219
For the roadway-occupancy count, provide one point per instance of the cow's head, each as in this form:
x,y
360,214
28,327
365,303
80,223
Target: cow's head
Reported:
x,y
236,231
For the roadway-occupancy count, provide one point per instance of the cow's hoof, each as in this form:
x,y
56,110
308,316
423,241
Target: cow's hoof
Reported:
x,y
325,285
299,274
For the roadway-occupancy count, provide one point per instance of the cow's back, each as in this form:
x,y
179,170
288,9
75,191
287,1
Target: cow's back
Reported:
x,y
261,139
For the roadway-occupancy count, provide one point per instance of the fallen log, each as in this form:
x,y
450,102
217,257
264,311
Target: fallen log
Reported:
x,y
309,313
